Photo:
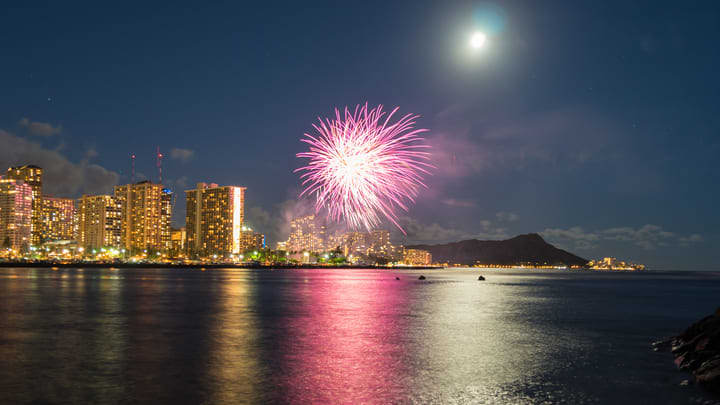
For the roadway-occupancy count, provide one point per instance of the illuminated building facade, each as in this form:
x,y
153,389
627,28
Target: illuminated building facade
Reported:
x,y
214,219
99,222
611,263
417,257
355,243
146,209
250,240
378,244
32,176
335,241
178,242
16,201
307,234
374,243
57,219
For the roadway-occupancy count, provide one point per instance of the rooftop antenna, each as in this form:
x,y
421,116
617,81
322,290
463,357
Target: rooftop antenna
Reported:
x,y
132,170
159,164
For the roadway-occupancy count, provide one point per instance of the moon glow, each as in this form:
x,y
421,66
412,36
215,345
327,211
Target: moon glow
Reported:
x,y
477,40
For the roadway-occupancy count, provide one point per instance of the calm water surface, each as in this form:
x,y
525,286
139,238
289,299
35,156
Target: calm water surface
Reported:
x,y
344,336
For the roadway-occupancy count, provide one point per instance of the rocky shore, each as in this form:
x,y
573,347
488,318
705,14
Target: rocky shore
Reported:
x,y
697,351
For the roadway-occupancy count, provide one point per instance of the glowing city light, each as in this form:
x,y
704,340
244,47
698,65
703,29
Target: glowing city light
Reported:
x,y
363,167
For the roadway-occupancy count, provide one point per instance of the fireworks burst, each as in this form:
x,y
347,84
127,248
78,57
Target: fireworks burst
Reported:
x,y
362,167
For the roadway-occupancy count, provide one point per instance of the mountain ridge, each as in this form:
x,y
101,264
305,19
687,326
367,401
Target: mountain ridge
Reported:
x,y
528,248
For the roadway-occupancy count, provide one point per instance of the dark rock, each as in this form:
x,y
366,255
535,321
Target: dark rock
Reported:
x,y
662,345
421,277
697,350
481,278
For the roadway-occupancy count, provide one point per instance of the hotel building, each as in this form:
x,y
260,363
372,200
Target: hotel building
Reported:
x,y
417,257
374,243
178,242
378,244
57,219
307,234
32,176
16,200
146,209
214,219
99,222
250,240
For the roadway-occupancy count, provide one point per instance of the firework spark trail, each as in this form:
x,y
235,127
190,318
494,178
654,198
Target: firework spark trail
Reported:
x,y
363,167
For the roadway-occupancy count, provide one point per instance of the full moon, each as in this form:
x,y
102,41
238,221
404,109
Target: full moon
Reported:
x,y
477,40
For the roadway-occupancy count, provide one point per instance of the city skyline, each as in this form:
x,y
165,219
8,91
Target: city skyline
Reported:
x,y
527,136
320,202
132,226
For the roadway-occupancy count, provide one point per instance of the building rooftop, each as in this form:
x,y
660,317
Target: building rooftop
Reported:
x,y
24,167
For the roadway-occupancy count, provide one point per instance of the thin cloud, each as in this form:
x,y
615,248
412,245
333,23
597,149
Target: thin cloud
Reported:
x,y
452,202
183,155
507,216
499,142
648,237
39,128
419,232
61,176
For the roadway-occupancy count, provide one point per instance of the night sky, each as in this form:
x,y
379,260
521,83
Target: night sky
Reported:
x,y
593,123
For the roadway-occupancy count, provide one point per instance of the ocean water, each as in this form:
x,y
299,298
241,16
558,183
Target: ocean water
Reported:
x,y
151,336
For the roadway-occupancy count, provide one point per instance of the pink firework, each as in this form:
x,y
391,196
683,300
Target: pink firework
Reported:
x,y
363,167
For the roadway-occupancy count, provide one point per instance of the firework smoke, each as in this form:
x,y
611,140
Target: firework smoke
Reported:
x,y
362,167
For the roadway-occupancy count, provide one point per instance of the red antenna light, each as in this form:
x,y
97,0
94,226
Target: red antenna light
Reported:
x,y
159,164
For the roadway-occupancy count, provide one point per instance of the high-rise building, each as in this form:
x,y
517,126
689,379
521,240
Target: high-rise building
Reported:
x,y
375,243
355,243
178,241
16,199
32,176
417,257
57,219
214,219
335,241
250,239
307,234
378,243
99,222
146,211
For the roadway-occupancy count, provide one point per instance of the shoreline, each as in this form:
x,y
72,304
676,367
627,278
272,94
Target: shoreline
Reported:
x,y
125,265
